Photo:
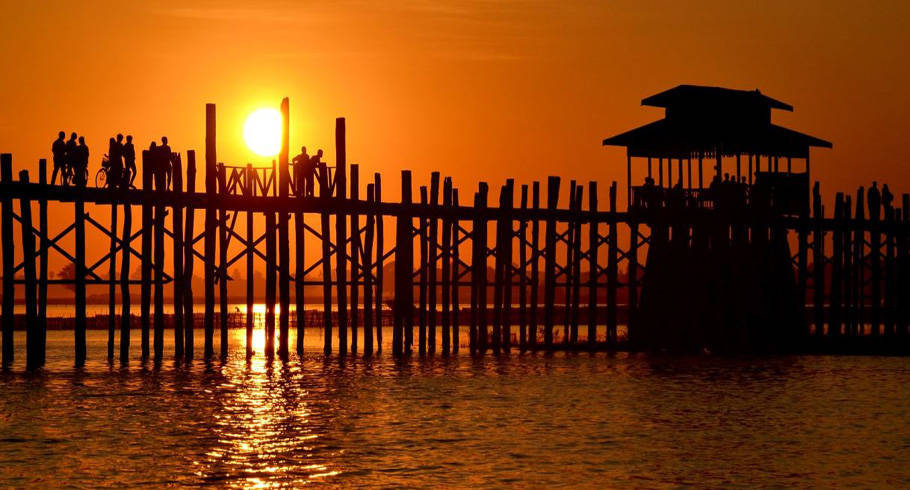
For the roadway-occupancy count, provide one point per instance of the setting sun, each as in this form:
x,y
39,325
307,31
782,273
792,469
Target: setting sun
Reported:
x,y
262,131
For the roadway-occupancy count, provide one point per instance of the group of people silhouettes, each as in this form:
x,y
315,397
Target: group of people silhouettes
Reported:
x,y
118,166
120,162
879,200
305,168
70,160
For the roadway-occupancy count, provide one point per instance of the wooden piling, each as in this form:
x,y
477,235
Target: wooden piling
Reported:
x,y
508,235
523,277
188,260
178,282
535,266
593,239
818,259
299,272
456,280
859,263
446,266
341,236
158,252
612,270
284,251
32,324
325,231
112,285
145,262
380,259
404,260
223,311
368,276
356,273
433,230
43,253
499,274
79,206
270,286
576,263
875,268
836,278
249,191
9,288
550,261
422,272
125,285
481,238
210,227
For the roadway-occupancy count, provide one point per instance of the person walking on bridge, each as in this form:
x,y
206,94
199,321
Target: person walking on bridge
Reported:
x,y
70,161
129,160
58,149
164,165
80,171
874,199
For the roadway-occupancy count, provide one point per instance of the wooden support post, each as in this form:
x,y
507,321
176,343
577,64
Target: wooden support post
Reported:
x,y
325,197
482,333
875,267
223,311
507,266
446,266
836,278
178,282
145,262
847,270
499,274
612,270
433,230
802,254
818,259
158,319
125,285
249,191
341,236
424,265
9,288
903,268
80,281
859,262
475,277
32,324
380,255
210,227
270,286
43,252
112,285
550,261
632,281
368,275
570,264
535,266
299,272
356,273
284,251
456,260
189,259
404,263
575,273
889,269
593,242
523,277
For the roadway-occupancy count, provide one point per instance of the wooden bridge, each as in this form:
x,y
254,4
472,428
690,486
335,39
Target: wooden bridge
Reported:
x,y
567,274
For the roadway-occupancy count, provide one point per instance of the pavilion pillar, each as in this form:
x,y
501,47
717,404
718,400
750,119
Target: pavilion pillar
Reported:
x,y
628,179
649,167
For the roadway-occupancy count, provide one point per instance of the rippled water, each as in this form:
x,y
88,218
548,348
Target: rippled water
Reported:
x,y
529,419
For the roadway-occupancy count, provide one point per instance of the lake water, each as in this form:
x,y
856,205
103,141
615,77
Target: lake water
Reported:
x,y
594,420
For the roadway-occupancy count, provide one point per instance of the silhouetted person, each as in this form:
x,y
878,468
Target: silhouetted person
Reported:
x,y
129,161
300,162
317,165
81,170
164,163
58,149
887,201
874,199
71,159
114,163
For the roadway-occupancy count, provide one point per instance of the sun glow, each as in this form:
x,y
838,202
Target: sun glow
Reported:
x,y
262,131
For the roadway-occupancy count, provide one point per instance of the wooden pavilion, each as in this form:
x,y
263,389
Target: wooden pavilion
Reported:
x,y
703,122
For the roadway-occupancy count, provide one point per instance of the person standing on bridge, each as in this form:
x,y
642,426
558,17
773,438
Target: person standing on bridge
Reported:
x,y
70,161
164,164
316,164
58,149
300,161
874,199
80,172
887,201
129,160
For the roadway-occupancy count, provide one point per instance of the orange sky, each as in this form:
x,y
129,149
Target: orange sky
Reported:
x,y
477,89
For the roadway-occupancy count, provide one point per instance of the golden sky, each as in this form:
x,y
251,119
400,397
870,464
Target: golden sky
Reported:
x,y
477,89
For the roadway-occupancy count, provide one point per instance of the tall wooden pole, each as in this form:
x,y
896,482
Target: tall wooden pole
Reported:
x,y
178,283
249,191
223,311
284,253
189,259
210,227
32,324
341,236
125,299
43,252
9,288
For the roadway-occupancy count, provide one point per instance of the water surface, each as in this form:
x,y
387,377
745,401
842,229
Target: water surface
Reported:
x,y
528,419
